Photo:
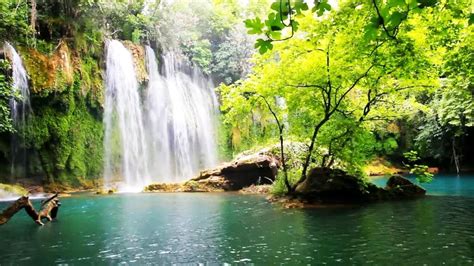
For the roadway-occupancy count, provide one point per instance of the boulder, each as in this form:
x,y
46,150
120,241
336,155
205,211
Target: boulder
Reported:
x,y
400,187
326,185
332,185
245,171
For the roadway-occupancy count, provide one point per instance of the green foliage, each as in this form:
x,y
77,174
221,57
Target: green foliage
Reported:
x,y
200,53
211,34
15,189
448,112
283,18
14,21
263,45
342,89
278,187
67,137
419,170
6,94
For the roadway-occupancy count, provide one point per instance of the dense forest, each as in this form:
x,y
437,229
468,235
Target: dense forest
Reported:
x,y
338,84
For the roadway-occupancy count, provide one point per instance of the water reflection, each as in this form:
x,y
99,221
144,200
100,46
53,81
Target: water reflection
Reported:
x,y
231,228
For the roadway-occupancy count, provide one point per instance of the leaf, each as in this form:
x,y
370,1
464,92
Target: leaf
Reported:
x,y
412,3
396,3
299,6
255,25
395,19
370,31
471,19
276,6
295,25
275,35
274,22
320,7
263,45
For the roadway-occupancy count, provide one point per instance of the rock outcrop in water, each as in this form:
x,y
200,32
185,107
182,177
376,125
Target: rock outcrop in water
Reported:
x,y
400,187
240,173
325,185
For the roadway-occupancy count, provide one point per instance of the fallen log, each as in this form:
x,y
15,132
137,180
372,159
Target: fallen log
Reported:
x,y
49,209
13,209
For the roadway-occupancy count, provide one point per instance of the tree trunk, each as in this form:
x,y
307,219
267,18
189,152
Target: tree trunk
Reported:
x,y
33,16
455,156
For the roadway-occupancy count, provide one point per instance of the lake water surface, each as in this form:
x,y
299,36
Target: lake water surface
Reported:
x,y
217,228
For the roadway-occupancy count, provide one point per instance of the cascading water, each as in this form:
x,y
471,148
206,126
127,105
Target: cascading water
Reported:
x,y
126,161
19,106
181,108
168,138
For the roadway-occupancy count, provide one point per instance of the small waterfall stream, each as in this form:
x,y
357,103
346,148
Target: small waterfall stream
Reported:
x,y
19,109
168,134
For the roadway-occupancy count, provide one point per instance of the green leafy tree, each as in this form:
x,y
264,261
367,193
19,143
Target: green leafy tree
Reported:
x,y
284,18
6,94
338,84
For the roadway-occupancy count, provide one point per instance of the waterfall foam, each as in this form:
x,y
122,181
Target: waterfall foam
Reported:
x,y
19,106
168,138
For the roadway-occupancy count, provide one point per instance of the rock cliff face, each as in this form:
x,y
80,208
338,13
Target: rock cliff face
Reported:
x,y
242,172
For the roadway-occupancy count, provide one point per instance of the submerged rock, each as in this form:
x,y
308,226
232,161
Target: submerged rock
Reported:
x,y
245,171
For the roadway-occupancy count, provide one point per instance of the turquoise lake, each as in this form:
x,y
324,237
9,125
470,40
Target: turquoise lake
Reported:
x,y
219,228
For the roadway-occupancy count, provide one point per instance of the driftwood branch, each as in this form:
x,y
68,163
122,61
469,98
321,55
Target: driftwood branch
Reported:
x,y
49,209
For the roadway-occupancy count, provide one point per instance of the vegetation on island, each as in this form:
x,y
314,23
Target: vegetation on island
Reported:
x,y
351,81
347,81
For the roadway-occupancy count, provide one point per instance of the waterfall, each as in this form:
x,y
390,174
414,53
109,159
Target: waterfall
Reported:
x,y
19,106
169,133
125,147
181,108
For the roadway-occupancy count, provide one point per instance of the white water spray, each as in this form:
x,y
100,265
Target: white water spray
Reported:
x,y
181,109
168,138
126,161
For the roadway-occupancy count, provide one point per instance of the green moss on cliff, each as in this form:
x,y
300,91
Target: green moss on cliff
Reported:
x,y
67,135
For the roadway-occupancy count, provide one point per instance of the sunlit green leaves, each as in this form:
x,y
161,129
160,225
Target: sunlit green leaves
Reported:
x,y
321,6
281,7
299,6
254,26
281,16
263,45
395,19
274,22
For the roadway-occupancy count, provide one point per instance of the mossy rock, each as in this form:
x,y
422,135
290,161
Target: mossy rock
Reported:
x,y
138,54
49,73
13,189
